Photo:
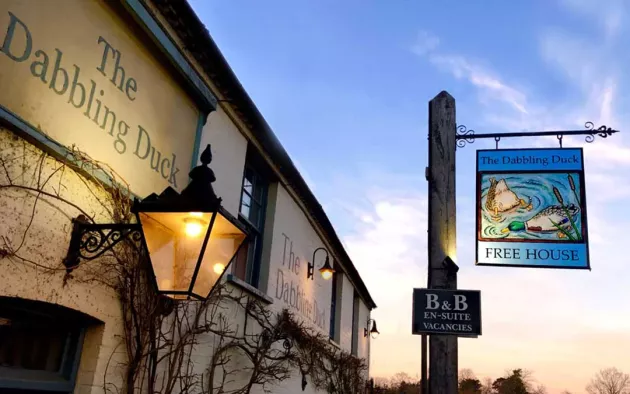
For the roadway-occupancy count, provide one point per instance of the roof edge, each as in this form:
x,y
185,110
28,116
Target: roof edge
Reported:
x,y
196,38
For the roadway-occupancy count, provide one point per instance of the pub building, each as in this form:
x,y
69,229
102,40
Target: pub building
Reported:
x,y
111,244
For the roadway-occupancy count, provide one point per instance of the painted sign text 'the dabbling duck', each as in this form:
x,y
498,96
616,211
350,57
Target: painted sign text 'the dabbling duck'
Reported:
x,y
94,87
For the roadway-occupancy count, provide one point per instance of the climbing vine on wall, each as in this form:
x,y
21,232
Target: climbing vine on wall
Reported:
x,y
230,343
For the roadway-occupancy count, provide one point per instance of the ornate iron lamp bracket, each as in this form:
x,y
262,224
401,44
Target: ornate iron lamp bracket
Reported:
x,y
90,241
466,136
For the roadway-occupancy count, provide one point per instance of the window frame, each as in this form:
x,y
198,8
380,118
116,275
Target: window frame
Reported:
x,y
354,345
333,330
63,380
256,233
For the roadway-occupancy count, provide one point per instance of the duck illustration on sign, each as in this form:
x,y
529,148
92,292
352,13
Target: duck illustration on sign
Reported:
x,y
531,206
501,199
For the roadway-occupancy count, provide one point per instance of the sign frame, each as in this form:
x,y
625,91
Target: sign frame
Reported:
x,y
583,208
453,333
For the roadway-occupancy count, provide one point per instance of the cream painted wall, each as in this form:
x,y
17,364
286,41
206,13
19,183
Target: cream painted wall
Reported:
x,y
46,244
347,297
363,342
130,113
229,148
288,246
292,246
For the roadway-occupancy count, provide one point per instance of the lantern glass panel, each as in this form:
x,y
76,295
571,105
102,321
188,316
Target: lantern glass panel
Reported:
x,y
175,242
224,241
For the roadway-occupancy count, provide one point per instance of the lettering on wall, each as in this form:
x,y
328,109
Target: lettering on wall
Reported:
x,y
99,83
291,290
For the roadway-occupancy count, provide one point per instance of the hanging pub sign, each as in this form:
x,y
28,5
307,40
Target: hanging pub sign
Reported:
x,y
531,208
446,312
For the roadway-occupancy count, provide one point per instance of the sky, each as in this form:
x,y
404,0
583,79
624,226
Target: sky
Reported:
x,y
345,86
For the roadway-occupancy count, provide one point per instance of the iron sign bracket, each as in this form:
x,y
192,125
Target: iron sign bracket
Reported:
x,y
90,241
465,136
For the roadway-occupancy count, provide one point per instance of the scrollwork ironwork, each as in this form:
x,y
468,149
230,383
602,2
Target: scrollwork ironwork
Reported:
x,y
96,241
601,131
90,241
464,136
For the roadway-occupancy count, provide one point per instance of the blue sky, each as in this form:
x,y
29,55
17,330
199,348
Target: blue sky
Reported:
x,y
345,86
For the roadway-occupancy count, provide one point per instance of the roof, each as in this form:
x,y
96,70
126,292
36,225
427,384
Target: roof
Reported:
x,y
196,38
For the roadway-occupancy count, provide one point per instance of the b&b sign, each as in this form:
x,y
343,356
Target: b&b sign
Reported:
x,y
446,312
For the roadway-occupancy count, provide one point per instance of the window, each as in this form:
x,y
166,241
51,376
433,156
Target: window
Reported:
x,y
40,347
355,324
333,308
252,214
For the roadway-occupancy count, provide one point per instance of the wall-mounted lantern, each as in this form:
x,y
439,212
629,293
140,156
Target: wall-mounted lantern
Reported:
x,y
326,271
371,331
190,238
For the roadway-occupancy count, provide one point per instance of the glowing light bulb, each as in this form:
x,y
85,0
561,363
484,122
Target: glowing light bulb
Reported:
x,y
193,227
196,214
218,268
327,274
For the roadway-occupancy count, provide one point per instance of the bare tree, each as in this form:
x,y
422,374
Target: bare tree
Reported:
x,y
486,388
609,381
381,382
399,378
540,389
466,373
162,337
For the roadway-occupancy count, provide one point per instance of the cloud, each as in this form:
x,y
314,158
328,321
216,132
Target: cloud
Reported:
x,y
609,15
586,67
533,319
575,58
491,87
523,309
389,243
483,79
425,43
597,81
587,70
388,246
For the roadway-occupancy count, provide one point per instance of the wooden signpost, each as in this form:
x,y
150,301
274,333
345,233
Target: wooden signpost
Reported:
x,y
439,357
442,233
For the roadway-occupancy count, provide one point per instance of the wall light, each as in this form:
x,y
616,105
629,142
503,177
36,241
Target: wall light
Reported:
x,y
190,238
326,271
371,331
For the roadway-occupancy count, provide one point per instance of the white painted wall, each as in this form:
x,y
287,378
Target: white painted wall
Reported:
x,y
347,296
289,241
151,124
292,246
46,244
229,148
363,343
